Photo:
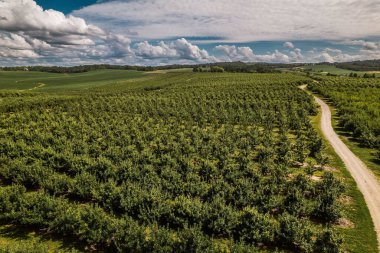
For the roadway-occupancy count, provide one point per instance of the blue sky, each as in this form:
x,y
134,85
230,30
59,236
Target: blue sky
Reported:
x,y
65,6
157,32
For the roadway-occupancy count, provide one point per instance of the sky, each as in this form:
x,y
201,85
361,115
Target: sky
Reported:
x,y
160,32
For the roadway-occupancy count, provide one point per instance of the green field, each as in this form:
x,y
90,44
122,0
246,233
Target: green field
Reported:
x,y
330,69
325,69
126,161
52,82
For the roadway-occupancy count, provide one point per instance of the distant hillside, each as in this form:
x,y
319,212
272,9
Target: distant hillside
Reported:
x,y
259,67
370,65
227,66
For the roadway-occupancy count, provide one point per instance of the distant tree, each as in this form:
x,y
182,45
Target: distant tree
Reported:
x,y
197,69
366,75
216,69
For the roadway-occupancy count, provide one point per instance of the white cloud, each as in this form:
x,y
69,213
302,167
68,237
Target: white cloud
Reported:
x,y
246,54
28,31
145,49
333,50
29,34
276,57
235,53
178,49
337,55
326,57
17,46
296,55
118,45
288,45
23,53
239,20
13,41
366,45
27,16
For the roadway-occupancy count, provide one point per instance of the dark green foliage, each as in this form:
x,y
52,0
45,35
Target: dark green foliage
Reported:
x,y
328,242
167,165
216,69
358,103
369,65
295,233
254,227
328,192
366,75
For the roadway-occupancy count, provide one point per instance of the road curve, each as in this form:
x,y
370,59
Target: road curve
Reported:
x,y
365,179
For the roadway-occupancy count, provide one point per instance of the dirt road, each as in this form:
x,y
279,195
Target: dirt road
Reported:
x,y
365,179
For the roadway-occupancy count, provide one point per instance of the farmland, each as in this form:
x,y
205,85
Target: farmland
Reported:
x,y
328,69
127,161
25,80
325,69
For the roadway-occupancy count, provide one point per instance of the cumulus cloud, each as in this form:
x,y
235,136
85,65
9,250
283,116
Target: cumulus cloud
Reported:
x,y
145,49
239,20
336,55
276,57
13,41
326,57
246,54
366,45
27,15
235,53
288,45
118,44
16,46
23,53
48,25
178,49
296,55
102,33
28,31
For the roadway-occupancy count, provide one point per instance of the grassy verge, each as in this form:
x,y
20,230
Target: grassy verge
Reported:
x,y
361,237
19,239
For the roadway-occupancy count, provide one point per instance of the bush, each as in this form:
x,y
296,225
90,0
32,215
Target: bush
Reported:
x,y
295,233
328,209
255,227
217,69
328,242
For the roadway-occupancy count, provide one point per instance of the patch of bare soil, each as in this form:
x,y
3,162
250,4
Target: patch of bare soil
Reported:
x,y
345,223
316,178
346,200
